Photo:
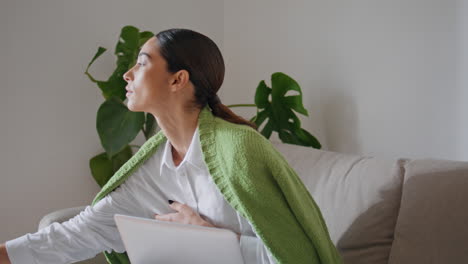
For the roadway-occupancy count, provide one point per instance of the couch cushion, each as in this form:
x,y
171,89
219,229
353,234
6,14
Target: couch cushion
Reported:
x,y
359,198
433,220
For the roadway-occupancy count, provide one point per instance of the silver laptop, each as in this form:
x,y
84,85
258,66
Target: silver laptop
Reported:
x,y
149,241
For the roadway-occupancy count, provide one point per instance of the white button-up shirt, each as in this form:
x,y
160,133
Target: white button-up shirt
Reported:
x,y
143,194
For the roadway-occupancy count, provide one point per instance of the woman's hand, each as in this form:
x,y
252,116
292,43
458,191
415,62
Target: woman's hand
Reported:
x,y
4,255
184,215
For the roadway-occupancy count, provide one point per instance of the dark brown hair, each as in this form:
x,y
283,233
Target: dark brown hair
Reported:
x,y
201,58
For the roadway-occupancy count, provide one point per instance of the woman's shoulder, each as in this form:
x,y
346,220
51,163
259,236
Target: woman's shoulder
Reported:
x,y
238,132
242,137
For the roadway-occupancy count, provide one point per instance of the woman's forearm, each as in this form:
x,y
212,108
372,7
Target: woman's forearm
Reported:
x,y
3,255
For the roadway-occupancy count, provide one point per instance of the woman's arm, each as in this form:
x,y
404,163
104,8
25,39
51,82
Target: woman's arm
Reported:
x,y
254,251
4,255
82,237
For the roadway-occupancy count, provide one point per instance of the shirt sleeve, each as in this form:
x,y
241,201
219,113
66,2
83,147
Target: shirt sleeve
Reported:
x,y
252,248
254,251
82,237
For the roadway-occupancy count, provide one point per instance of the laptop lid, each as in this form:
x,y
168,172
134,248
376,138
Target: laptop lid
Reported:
x,y
150,241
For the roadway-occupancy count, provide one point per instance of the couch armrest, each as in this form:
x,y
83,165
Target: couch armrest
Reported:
x,y
60,216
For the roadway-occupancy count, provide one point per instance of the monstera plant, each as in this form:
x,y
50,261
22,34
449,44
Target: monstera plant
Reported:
x,y
278,111
117,126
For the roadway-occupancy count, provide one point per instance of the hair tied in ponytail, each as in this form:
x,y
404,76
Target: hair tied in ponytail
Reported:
x,y
214,100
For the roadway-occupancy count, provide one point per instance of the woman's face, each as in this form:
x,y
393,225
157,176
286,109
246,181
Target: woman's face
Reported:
x,y
148,80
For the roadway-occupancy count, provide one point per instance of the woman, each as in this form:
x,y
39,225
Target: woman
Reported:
x,y
207,166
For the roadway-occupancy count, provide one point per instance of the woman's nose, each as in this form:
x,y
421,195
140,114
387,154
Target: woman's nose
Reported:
x,y
126,76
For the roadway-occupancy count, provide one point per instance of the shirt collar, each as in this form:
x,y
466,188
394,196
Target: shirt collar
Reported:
x,y
194,155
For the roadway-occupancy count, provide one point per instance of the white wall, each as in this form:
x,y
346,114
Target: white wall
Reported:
x,y
48,106
263,37
380,78
463,80
399,60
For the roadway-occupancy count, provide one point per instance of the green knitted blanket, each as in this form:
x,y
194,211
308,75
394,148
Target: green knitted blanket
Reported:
x,y
257,182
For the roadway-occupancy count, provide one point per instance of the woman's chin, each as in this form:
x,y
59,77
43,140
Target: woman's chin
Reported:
x,y
131,106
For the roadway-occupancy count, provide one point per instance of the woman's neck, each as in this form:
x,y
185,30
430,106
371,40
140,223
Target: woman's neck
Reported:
x,y
179,127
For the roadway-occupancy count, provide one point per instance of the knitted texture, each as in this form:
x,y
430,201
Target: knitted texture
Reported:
x,y
256,180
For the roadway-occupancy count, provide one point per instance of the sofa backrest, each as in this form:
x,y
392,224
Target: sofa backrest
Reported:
x,y
359,198
432,224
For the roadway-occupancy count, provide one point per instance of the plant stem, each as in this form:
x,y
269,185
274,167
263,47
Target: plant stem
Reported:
x,y
241,105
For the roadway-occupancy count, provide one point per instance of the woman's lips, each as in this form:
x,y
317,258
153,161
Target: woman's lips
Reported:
x,y
128,91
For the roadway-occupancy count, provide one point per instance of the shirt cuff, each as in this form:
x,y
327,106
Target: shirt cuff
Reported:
x,y
18,250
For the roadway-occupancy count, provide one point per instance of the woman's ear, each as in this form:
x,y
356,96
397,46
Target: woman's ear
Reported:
x,y
180,80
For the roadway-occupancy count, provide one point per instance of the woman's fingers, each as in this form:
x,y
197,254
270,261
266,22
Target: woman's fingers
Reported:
x,y
184,215
182,208
165,217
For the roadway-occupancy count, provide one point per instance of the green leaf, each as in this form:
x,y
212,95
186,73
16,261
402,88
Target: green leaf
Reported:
x,y
126,50
115,86
121,157
279,111
103,86
288,137
261,95
307,139
296,122
117,126
129,37
144,36
128,46
267,129
282,83
260,117
100,51
103,169
295,102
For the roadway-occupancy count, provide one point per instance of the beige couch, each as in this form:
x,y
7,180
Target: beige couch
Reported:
x,y
379,210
